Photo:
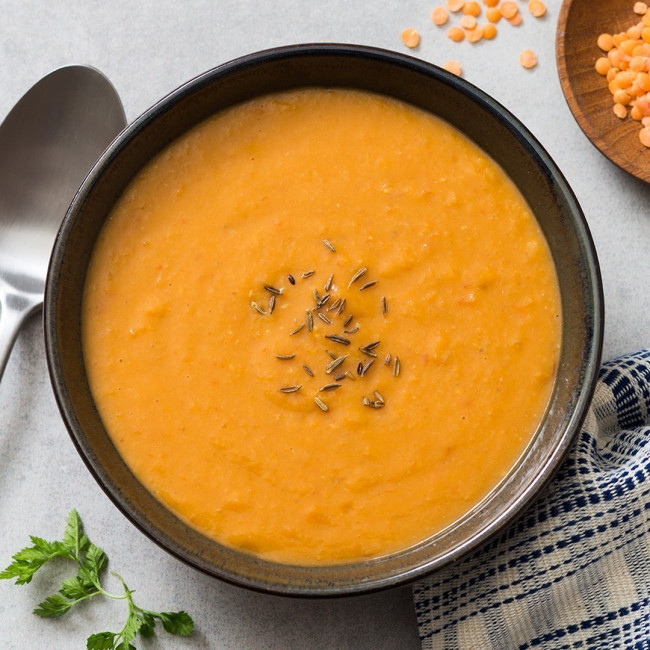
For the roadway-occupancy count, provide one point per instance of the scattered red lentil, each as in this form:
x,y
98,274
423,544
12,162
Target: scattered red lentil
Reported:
x,y
508,8
410,37
528,59
456,34
467,26
537,8
453,67
489,31
439,16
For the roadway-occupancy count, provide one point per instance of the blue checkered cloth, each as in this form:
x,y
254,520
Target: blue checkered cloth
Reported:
x,y
573,571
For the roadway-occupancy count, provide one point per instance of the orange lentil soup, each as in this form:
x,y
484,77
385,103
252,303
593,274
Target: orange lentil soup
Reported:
x,y
321,326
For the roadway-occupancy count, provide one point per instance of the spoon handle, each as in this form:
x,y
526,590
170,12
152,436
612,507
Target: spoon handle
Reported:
x,y
15,307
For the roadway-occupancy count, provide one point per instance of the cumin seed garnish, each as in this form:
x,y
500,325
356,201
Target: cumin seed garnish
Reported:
x,y
368,353
310,320
321,405
333,365
384,306
323,301
257,308
348,320
387,360
307,274
337,338
271,303
341,308
354,330
285,357
379,397
291,389
324,318
329,387
370,349
367,285
349,375
362,271
273,290
373,404
340,377
397,367
334,305
316,295
329,245
331,354
291,279
366,367
308,370
328,285
297,329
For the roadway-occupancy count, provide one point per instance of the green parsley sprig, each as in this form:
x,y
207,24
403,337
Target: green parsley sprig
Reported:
x,y
91,562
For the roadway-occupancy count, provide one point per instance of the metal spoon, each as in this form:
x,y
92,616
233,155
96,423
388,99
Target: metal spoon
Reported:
x,y
48,143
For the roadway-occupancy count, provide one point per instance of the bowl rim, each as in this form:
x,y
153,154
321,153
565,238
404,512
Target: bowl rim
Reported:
x,y
592,356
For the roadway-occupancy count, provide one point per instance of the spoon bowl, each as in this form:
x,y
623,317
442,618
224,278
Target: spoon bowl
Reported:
x,y
579,25
48,143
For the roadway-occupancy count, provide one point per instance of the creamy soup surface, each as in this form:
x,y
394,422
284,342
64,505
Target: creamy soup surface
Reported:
x,y
321,326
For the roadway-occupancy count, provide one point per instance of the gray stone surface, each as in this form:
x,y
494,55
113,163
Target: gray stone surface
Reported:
x,y
147,49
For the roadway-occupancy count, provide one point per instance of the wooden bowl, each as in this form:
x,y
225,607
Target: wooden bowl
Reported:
x,y
579,25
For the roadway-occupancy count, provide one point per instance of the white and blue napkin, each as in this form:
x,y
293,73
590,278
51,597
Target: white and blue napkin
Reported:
x,y
573,571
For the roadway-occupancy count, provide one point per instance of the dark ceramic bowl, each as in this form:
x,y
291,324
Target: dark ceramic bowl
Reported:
x,y
497,132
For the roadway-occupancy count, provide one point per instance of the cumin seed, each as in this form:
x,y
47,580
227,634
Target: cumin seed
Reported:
x,y
328,285
297,329
321,405
271,303
291,389
367,285
334,305
354,330
308,370
291,279
257,308
366,367
329,387
361,272
310,320
285,357
384,306
387,360
307,274
273,290
397,367
324,318
333,365
329,245
338,339
348,320
380,397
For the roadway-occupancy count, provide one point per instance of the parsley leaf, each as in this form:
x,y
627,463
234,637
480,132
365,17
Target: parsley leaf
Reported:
x,y
90,561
